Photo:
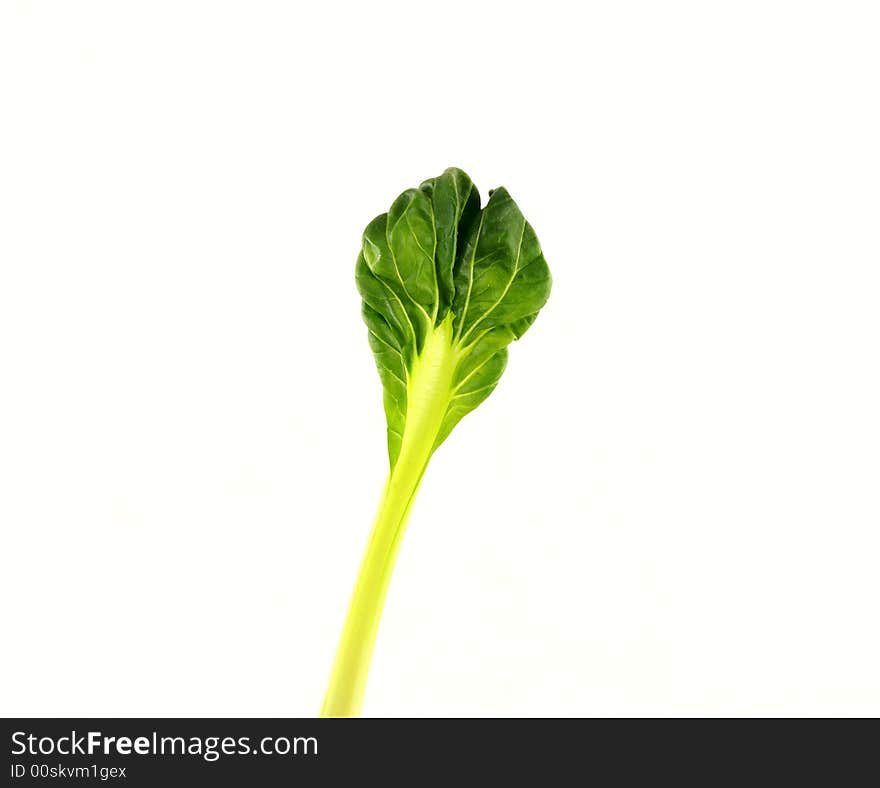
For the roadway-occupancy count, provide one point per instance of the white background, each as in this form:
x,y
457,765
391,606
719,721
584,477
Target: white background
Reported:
x,y
671,504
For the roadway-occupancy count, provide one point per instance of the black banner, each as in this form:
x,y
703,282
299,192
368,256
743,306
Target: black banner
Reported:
x,y
270,752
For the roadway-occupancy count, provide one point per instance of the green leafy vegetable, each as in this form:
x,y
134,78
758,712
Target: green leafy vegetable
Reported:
x,y
446,288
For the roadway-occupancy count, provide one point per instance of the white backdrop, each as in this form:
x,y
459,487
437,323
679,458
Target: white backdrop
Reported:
x,y
669,506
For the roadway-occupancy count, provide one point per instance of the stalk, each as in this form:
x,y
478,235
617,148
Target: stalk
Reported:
x,y
348,680
429,389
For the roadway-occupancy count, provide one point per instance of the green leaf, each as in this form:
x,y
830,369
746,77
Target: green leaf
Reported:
x,y
437,261
456,204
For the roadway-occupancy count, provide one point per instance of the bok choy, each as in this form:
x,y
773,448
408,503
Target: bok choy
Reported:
x,y
447,285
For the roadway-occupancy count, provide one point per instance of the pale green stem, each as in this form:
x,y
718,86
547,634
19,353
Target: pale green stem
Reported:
x,y
349,678
428,392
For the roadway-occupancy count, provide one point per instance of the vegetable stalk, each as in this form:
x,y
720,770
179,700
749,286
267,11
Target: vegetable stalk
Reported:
x,y
428,394
446,287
